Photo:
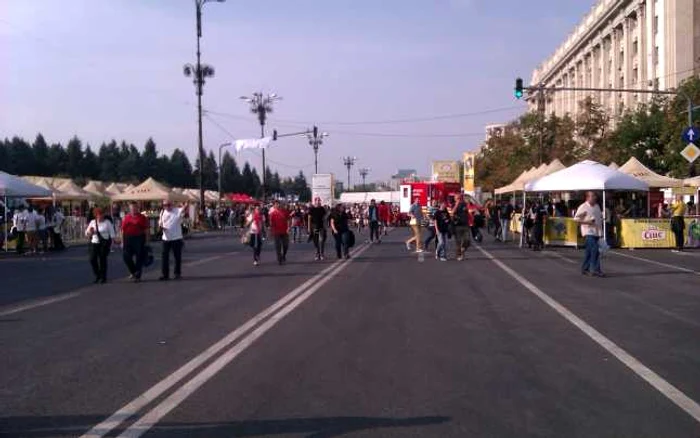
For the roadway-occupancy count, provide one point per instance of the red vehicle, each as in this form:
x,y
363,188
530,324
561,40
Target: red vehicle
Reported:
x,y
427,191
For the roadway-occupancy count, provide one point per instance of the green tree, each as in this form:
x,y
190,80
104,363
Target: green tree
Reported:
x,y
58,160
210,175
230,175
109,159
91,166
675,122
592,124
149,162
41,156
180,170
74,151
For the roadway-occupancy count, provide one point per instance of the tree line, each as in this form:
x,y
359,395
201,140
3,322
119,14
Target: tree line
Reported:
x,y
124,162
650,132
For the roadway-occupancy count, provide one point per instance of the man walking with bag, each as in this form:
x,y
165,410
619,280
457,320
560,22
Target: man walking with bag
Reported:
x,y
590,217
135,236
171,223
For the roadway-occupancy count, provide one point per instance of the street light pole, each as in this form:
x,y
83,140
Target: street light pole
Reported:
x,y
316,140
363,173
349,162
224,145
262,106
200,71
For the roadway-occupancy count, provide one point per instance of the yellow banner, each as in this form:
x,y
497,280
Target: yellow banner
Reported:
x,y
468,164
649,233
561,231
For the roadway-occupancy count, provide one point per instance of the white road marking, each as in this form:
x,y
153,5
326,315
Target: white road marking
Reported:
x,y
674,394
133,407
562,257
40,303
654,262
152,418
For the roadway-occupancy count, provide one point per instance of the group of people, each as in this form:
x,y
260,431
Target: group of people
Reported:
x,y
134,238
37,230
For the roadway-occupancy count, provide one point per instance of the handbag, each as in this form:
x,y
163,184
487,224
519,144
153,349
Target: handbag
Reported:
x,y
246,238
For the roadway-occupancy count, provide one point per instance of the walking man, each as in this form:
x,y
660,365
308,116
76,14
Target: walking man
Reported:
x,y
341,231
678,222
279,228
373,216
55,230
317,228
171,223
135,236
416,218
19,222
505,214
462,230
590,217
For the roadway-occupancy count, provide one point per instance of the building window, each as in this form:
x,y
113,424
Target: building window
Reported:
x,y
656,55
635,48
635,73
655,27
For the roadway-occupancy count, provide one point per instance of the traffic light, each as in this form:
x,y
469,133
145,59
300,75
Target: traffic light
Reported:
x,y
518,88
315,131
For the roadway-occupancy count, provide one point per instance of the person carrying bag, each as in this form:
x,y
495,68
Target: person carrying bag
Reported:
x,y
100,232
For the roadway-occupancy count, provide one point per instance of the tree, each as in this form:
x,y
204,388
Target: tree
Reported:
x,y
41,156
230,175
676,119
210,174
275,184
129,168
149,162
109,161
74,151
301,188
58,160
180,170
20,157
91,166
592,124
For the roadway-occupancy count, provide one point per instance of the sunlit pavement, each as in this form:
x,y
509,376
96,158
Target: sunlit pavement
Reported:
x,y
507,343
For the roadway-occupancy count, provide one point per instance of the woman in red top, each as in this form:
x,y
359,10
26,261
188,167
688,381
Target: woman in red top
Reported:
x,y
135,234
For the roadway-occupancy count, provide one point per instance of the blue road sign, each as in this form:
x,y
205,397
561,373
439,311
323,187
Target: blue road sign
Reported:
x,y
691,135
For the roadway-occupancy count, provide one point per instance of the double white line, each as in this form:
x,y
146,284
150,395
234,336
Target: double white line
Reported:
x,y
237,341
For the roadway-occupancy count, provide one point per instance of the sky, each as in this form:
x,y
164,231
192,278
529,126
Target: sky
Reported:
x,y
104,69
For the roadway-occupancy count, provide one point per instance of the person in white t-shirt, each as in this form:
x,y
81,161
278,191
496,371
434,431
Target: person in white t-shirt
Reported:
x,y
32,230
170,222
590,217
19,223
42,234
100,233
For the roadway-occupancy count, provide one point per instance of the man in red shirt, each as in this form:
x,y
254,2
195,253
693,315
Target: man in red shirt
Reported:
x,y
383,216
279,228
135,236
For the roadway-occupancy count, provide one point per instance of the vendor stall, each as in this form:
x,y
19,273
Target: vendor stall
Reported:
x,y
15,187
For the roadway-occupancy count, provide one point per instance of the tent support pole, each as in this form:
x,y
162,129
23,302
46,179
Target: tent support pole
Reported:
x,y
522,220
605,220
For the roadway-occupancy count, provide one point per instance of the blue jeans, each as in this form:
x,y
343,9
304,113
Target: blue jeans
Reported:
x,y
592,259
442,245
505,224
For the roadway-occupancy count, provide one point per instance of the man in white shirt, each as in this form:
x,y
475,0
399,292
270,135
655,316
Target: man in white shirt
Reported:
x,y
590,217
171,223
55,230
31,228
19,222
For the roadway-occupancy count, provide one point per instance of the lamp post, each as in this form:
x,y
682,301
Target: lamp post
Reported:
x,y
349,162
224,145
262,106
200,71
316,140
363,173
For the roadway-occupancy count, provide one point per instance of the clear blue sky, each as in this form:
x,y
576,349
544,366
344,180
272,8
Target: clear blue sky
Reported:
x,y
103,69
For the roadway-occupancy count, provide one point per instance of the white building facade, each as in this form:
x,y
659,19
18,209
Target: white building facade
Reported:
x,y
637,44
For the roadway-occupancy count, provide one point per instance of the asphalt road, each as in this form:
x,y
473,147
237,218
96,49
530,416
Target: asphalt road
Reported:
x,y
508,343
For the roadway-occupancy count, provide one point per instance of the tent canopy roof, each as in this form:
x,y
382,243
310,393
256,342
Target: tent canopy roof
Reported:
x,y
13,186
586,175
95,188
635,168
70,191
151,190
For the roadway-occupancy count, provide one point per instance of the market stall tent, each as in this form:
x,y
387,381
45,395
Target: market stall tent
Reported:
x,y
96,189
69,191
112,190
151,190
635,168
692,182
12,186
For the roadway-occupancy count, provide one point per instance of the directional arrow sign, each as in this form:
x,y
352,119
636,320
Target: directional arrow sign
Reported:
x,y
691,135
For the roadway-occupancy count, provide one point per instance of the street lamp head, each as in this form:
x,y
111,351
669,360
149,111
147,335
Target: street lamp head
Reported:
x,y
325,134
188,70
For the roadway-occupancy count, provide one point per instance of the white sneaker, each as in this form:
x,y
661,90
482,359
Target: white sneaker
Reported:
x,y
256,263
408,246
459,259
418,251
443,259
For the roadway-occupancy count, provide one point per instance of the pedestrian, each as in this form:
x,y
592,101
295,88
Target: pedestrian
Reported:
x,y
442,228
317,227
374,218
41,231
415,214
462,230
384,217
135,234
55,230
430,225
255,222
590,217
678,209
297,223
279,228
170,221
340,228
505,214
31,227
539,217
100,232
19,223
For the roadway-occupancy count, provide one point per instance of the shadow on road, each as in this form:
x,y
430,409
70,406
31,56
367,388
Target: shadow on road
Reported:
x,y
64,426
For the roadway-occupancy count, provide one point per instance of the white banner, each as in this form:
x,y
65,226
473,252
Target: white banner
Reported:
x,y
252,143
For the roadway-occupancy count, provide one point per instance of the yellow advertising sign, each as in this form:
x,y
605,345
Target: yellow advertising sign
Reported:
x,y
648,233
561,231
468,162
446,171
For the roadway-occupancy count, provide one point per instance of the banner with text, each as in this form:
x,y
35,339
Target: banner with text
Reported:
x,y
468,164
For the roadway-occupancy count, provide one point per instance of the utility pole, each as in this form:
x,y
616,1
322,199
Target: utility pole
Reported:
x,y
200,71
541,119
363,173
224,145
349,162
261,105
316,140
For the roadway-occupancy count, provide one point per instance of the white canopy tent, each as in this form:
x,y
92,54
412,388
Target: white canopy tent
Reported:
x,y
15,187
587,175
365,197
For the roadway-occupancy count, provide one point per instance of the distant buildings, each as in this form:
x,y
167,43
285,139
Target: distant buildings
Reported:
x,y
401,176
638,44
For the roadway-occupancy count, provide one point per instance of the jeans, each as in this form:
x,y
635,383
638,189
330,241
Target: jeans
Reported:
x,y
296,234
134,247
176,247
431,236
442,245
678,228
504,229
341,243
462,240
319,237
98,258
281,247
373,231
591,260
256,244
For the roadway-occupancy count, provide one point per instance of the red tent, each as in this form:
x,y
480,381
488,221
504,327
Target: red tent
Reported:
x,y
241,198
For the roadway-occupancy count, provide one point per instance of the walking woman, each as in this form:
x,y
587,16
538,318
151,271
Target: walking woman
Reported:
x,y
678,222
100,232
442,228
256,226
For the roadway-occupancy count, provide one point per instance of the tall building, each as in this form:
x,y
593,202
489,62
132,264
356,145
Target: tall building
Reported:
x,y
645,44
